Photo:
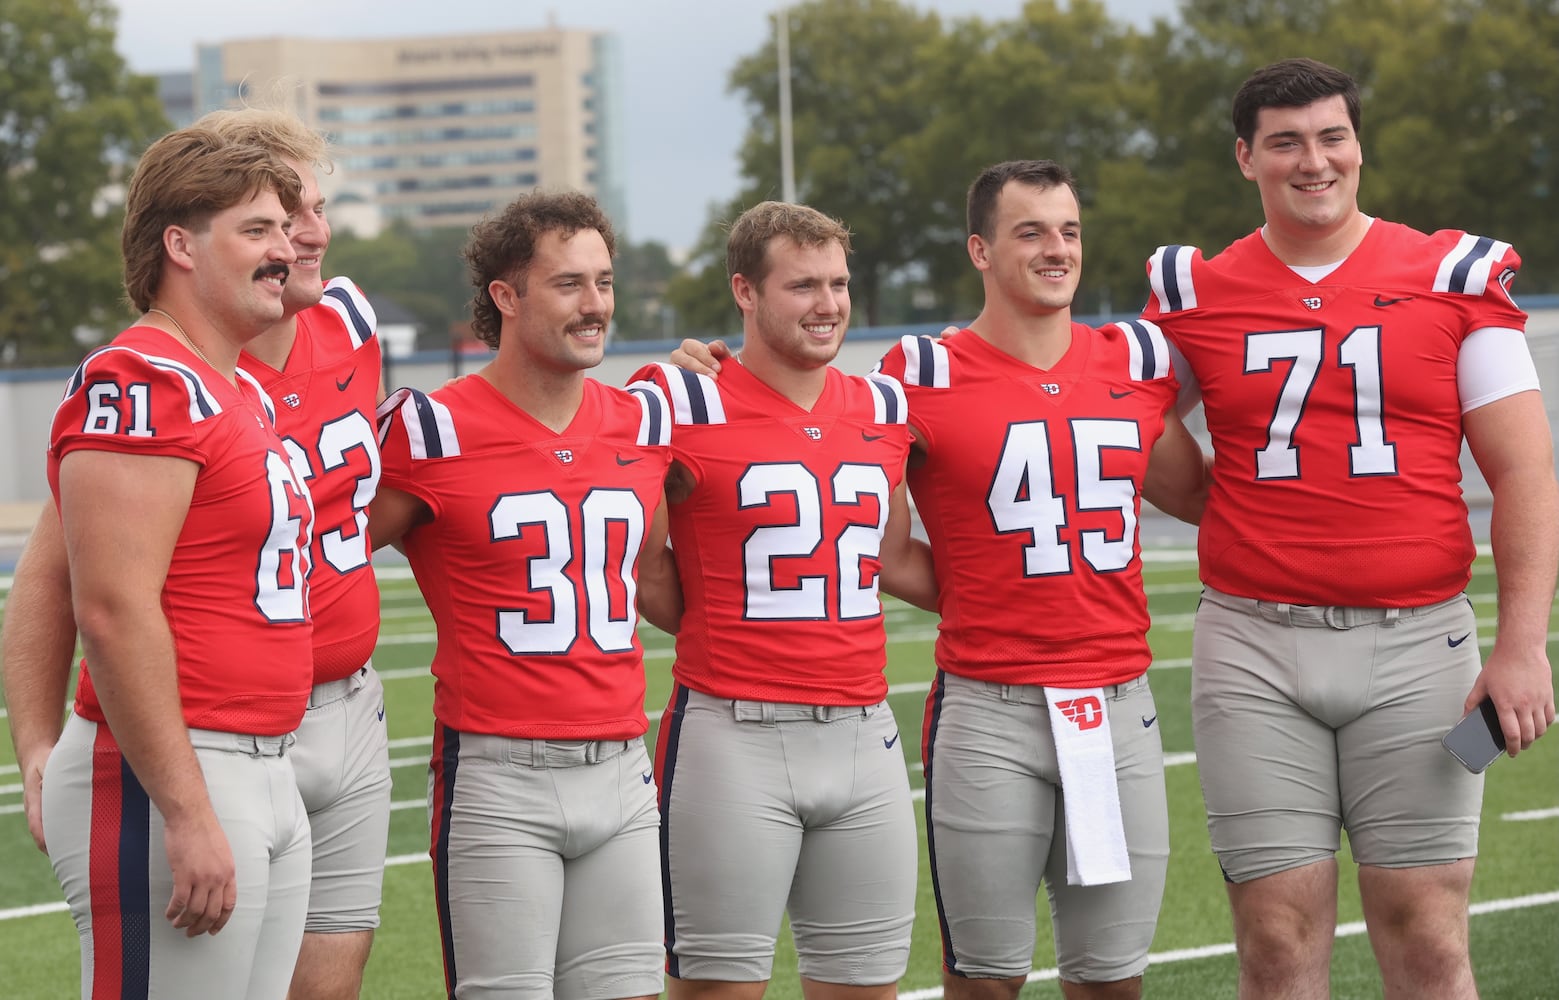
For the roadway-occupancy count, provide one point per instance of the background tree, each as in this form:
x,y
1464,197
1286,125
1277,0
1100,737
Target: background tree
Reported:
x,y
422,270
855,96
73,119
643,271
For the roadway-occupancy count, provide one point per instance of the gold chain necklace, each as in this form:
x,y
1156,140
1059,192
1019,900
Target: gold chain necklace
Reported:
x,y
193,346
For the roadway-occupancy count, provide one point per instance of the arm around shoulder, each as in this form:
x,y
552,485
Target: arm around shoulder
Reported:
x,y
660,587
1179,473
908,571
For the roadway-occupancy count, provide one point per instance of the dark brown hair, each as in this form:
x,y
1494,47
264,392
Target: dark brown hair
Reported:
x,y
986,189
1292,83
502,247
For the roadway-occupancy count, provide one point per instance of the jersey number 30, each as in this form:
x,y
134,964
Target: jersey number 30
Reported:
x,y
610,629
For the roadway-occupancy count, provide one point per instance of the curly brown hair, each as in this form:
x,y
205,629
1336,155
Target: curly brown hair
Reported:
x,y
184,179
502,247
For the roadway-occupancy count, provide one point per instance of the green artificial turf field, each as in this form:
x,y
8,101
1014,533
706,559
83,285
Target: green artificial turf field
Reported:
x,y
1515,927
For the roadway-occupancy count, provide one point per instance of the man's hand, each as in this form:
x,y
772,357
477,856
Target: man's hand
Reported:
x,y
205,882
1523,692
32,795
700,359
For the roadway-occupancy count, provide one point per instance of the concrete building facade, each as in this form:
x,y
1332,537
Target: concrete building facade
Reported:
x,y
439,130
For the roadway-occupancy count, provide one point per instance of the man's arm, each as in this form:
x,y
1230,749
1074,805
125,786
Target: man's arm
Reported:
x,y
660,588
1510,440
39,641
116,578
392,513
1179,472
907,570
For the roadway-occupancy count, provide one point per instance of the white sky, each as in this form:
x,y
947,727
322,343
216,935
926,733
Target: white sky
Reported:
x,y
682,128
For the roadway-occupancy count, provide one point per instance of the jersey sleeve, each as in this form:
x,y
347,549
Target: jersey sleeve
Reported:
x,y
1171,281
347,301
122,400
1482,270
691,398
1149,358
890,405
414,428
654,412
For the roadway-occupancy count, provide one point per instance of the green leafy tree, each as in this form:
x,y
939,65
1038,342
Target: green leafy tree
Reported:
x,y
1457,127
1052,83
72,120
422,270
855,86
700,294
642,272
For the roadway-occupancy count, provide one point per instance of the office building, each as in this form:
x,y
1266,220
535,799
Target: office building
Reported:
x,y
439,130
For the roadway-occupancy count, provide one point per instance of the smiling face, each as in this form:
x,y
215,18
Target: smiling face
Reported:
x,y
310,238
1305,161
559,323
1033,257
799,312
240,263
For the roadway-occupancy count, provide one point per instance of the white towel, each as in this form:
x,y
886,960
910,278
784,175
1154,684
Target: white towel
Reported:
x,y
1095,839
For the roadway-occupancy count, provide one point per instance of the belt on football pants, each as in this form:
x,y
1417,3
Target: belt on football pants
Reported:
x,y
244,743
1323,616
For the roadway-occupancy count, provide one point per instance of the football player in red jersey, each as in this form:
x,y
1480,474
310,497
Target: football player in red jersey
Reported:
x,y
169,791
1032,444
1342,360
523,496
778,758
320,365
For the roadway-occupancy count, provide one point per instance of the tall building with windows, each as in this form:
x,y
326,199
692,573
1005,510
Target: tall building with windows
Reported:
x,y
439,130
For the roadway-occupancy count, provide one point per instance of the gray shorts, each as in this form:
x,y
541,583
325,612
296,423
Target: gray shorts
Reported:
x,y
106,843
546,868
342,759
1313,720
996,828
769,807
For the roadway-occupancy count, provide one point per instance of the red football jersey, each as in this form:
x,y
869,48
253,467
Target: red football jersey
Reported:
x,y
236,594
1030,498
325,397
778,545
1333,410
530,563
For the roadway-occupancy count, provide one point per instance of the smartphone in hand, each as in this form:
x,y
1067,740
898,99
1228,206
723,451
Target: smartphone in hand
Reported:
x,y
1478,739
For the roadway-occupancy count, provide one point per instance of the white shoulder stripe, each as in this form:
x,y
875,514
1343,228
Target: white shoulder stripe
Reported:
x,y
655,422
925,362
695,399
1148,348
430,429
1465,270
202,403
889,404
352,306
1169,274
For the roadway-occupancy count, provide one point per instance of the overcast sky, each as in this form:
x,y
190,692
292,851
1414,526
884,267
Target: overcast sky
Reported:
x,y
682,128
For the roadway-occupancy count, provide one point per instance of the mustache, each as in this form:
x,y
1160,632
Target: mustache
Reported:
x,y
585,322
277,270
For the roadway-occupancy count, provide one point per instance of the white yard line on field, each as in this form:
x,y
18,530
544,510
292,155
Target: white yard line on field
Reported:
x,y
1214,950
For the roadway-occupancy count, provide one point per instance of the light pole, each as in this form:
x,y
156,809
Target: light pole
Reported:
x,y
787,154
